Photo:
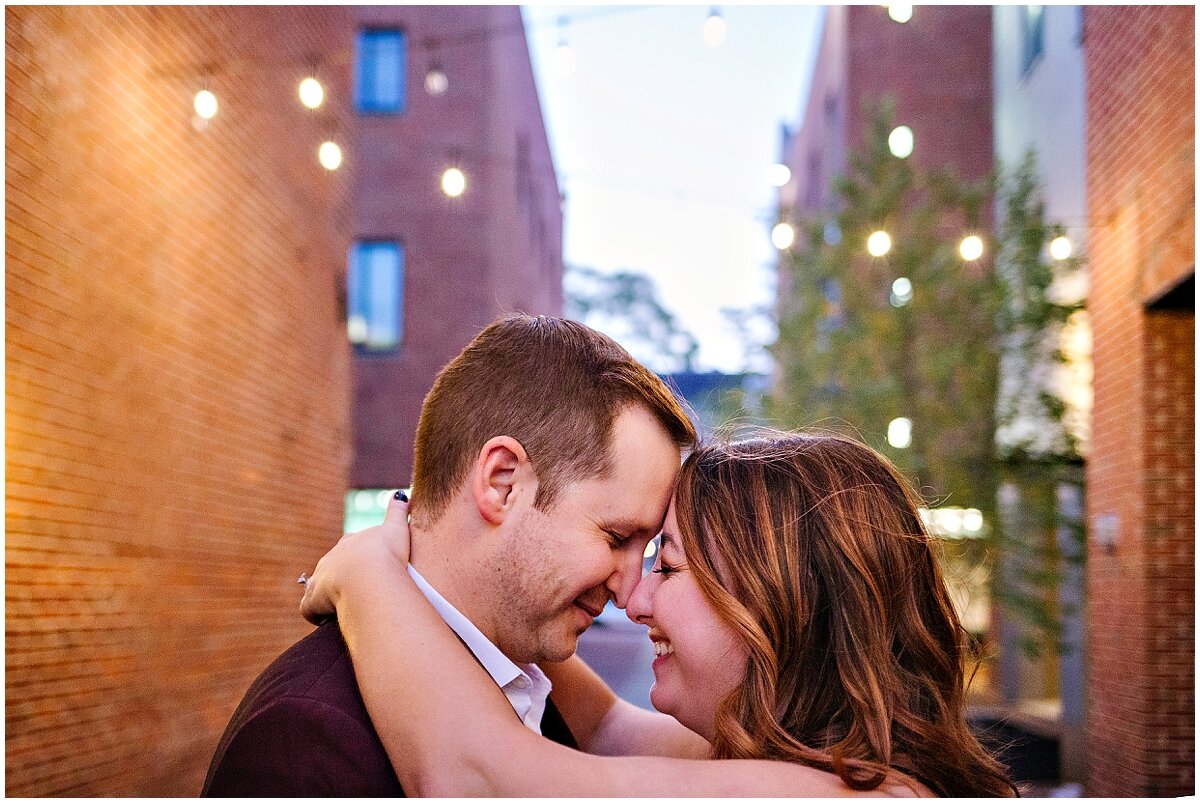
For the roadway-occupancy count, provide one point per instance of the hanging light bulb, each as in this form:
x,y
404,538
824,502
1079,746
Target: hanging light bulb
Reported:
x,y
971,248
564,56
454,182
879,243
436,82
782,236
900,142
1060,248
779,174
329,155
205,104
312,94
899,433
714,28
900,12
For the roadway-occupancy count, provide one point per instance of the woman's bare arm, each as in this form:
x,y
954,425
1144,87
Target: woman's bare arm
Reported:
x,y
604,724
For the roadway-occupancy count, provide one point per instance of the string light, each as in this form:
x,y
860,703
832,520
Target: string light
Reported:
x,y
779,175
899,433
564,56
205,104
901,292
1060,248
714,28
312,94
900,12
879,243
436,82
782,236
454,182
329,155
971,248
900,142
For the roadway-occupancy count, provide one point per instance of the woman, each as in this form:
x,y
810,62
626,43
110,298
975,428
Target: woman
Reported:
x,y
801,624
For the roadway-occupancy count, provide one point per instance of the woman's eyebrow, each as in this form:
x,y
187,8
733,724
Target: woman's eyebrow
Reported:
x,y
667,538
628,526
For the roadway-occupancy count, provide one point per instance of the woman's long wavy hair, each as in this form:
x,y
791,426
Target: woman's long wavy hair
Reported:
x,y
811,547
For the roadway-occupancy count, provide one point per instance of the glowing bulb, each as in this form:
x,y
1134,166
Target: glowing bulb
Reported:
x,y
779,175
714,29
901,292
782,236
900,142
900,12
454,183
312,94
205,104
329,155
1060,248
971,248
900,433
436,82
879,243
972,520
564,59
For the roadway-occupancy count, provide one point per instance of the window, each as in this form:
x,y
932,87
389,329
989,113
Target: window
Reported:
x,y
1033,28
375,291
379,71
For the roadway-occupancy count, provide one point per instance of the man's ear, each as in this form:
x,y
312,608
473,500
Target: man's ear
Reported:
x,y
500,475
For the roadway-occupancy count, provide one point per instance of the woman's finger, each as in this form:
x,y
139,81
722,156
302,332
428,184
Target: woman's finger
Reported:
x,y
397,509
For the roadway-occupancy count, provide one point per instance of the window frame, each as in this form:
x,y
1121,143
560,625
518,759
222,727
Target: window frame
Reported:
x,y
370,106
364,349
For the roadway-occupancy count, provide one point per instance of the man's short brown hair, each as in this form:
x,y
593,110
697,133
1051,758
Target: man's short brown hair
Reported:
x,y
554,385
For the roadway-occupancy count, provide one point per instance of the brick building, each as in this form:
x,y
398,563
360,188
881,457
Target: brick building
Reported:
x,y
1141,469
935,67
496,248
178,378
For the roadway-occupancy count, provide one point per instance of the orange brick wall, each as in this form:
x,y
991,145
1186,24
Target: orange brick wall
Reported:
x,y
177,379
1140,473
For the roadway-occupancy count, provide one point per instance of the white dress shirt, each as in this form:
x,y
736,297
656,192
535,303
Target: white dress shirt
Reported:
x,y
525,686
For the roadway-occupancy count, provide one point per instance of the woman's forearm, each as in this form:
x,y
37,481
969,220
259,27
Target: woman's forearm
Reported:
x,y
430,702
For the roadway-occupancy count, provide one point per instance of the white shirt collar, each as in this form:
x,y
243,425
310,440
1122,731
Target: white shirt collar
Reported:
x,y
525,685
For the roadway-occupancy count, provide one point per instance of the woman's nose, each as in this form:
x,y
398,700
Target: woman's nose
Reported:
x,y
640,609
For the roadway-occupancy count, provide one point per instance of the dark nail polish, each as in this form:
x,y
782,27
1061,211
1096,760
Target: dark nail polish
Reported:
x,y
403,497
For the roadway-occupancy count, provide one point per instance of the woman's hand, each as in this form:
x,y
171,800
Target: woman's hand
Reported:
x,y
376,549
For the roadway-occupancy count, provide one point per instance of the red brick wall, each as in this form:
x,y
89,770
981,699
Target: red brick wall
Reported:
x,y
177,380
495,249
1140,473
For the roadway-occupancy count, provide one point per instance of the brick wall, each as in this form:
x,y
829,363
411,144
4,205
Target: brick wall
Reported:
x,y
1141,478
495,249
177,379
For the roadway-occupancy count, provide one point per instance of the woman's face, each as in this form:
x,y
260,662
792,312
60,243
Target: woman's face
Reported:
x,y
698,658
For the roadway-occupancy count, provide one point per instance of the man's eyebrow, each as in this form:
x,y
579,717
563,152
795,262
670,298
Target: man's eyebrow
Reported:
x,y
627,526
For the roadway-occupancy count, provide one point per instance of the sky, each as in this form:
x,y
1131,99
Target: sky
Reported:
x,y
662,146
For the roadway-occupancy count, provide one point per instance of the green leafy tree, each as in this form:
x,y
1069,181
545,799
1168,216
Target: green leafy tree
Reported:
x,y
625,305
921,332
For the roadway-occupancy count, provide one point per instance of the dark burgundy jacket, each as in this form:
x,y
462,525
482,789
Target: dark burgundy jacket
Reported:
x,y
302,731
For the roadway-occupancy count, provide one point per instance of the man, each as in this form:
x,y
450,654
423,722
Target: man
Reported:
x,y
545,461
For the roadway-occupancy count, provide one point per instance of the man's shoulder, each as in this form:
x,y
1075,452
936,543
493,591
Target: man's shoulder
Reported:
x,y
302,729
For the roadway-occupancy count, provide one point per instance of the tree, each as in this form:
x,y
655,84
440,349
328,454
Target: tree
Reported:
x,y
920,332
625,305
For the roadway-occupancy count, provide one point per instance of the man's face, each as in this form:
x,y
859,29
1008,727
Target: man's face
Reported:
x,y
562,565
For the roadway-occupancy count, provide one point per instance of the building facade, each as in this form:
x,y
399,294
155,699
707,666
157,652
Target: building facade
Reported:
x,y
1040,109
177,374
465,260
1140,66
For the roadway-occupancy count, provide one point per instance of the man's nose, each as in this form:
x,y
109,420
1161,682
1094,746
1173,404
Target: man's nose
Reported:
x,y
626,576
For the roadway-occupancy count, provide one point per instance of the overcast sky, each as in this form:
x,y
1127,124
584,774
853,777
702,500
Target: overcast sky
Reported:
x,y
662,144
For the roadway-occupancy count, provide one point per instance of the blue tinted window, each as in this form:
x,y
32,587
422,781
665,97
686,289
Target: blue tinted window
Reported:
x,y
375,286
379,71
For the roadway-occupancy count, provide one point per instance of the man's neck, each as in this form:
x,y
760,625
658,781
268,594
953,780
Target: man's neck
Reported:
x,y
454,581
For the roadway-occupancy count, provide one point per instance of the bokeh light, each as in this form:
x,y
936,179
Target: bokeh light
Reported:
x,y
900,142
454,182
971,248
879,243
312,94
